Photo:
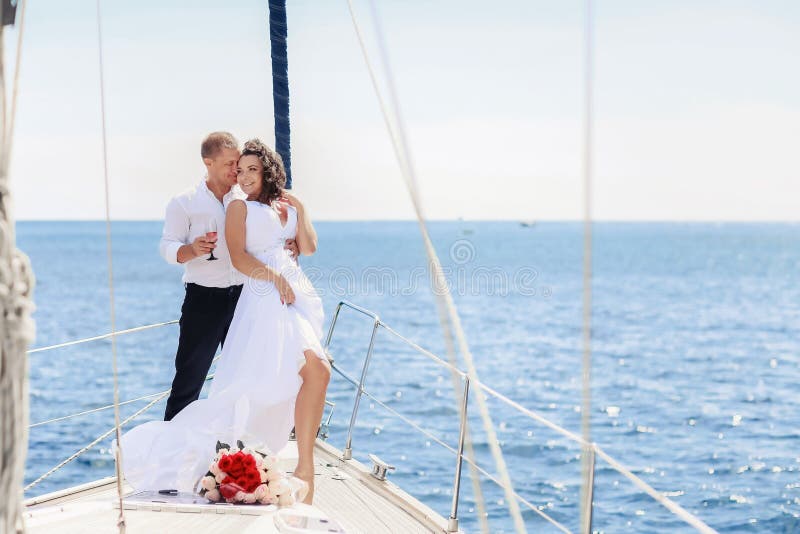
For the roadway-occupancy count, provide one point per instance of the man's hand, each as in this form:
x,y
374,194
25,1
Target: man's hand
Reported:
x,y
292,200
291,246
202,246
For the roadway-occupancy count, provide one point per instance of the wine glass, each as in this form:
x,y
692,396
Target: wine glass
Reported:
x,y
211,235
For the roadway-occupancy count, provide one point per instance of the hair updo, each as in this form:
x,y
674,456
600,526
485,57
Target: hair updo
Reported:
x,y
273,173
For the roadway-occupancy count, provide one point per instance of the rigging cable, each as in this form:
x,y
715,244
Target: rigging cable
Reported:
x,y
480,506
587,454
112,314
407,170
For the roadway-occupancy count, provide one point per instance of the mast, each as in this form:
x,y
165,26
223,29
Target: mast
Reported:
x,y
280,84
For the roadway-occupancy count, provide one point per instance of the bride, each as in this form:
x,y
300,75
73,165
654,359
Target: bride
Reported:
x,y
272,373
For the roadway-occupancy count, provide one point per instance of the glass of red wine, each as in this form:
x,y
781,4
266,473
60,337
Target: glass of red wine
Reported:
x,y
211,235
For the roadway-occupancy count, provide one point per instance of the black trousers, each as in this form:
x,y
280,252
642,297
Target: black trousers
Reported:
x,y
205,317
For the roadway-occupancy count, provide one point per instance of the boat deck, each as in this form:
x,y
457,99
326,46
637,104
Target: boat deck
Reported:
x,y
346,492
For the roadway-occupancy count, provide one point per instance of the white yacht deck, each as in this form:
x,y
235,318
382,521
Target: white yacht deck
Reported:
x,y
346,492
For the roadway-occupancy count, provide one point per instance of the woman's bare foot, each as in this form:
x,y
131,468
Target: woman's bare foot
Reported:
x,y
308,478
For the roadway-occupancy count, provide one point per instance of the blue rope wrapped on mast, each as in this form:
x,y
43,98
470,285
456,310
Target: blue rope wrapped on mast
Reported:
x,y
280,83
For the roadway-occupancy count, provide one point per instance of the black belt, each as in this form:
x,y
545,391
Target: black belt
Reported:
x,y
212,290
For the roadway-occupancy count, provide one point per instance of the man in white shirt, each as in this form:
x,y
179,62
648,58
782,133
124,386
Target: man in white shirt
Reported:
x,y
212,287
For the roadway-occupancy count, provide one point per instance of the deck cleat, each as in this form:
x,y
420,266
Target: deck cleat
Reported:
x,y
379,467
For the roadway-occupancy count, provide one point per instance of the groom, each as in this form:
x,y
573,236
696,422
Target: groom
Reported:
x,y
212,287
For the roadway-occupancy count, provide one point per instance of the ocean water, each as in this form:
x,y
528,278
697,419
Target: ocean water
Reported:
x,y
696,360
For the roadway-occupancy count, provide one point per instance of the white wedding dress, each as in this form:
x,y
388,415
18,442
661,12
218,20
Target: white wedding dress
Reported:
x,y
253,393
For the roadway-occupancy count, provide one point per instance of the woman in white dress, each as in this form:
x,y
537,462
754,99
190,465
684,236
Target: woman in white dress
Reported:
x,y
272,373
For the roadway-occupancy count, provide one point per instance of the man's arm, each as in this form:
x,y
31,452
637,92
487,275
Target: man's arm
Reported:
x,y
174,246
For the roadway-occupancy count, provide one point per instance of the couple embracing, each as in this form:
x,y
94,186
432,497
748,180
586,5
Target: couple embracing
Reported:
x,y
238,234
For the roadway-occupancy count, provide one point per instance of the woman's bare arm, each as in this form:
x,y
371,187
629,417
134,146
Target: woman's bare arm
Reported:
x,y
306,235
244,262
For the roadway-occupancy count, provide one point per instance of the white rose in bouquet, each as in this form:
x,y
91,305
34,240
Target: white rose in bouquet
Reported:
x,y
208,483
273,489
269,462
261,492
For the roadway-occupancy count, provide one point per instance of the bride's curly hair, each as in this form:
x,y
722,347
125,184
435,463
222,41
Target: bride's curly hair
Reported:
x,y
273,173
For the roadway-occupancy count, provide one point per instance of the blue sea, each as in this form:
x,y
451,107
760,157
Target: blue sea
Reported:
x,y
695,375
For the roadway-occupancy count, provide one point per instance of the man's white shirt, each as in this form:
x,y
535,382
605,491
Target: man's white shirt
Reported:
x,y
186,220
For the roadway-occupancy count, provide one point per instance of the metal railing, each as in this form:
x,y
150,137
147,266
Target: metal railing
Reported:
x,y
590,449
103,336
323,431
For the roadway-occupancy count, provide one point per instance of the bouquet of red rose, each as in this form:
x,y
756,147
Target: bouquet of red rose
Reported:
x,y
243,475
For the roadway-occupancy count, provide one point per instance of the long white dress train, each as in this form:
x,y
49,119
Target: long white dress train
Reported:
x,y
253,393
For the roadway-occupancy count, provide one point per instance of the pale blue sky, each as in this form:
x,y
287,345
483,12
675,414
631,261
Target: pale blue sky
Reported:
x,y
697,106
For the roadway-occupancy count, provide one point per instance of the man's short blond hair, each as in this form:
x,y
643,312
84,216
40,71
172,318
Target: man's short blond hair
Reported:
x,y
215,142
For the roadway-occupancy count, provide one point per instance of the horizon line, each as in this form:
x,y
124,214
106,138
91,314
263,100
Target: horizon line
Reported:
x,y
460,219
